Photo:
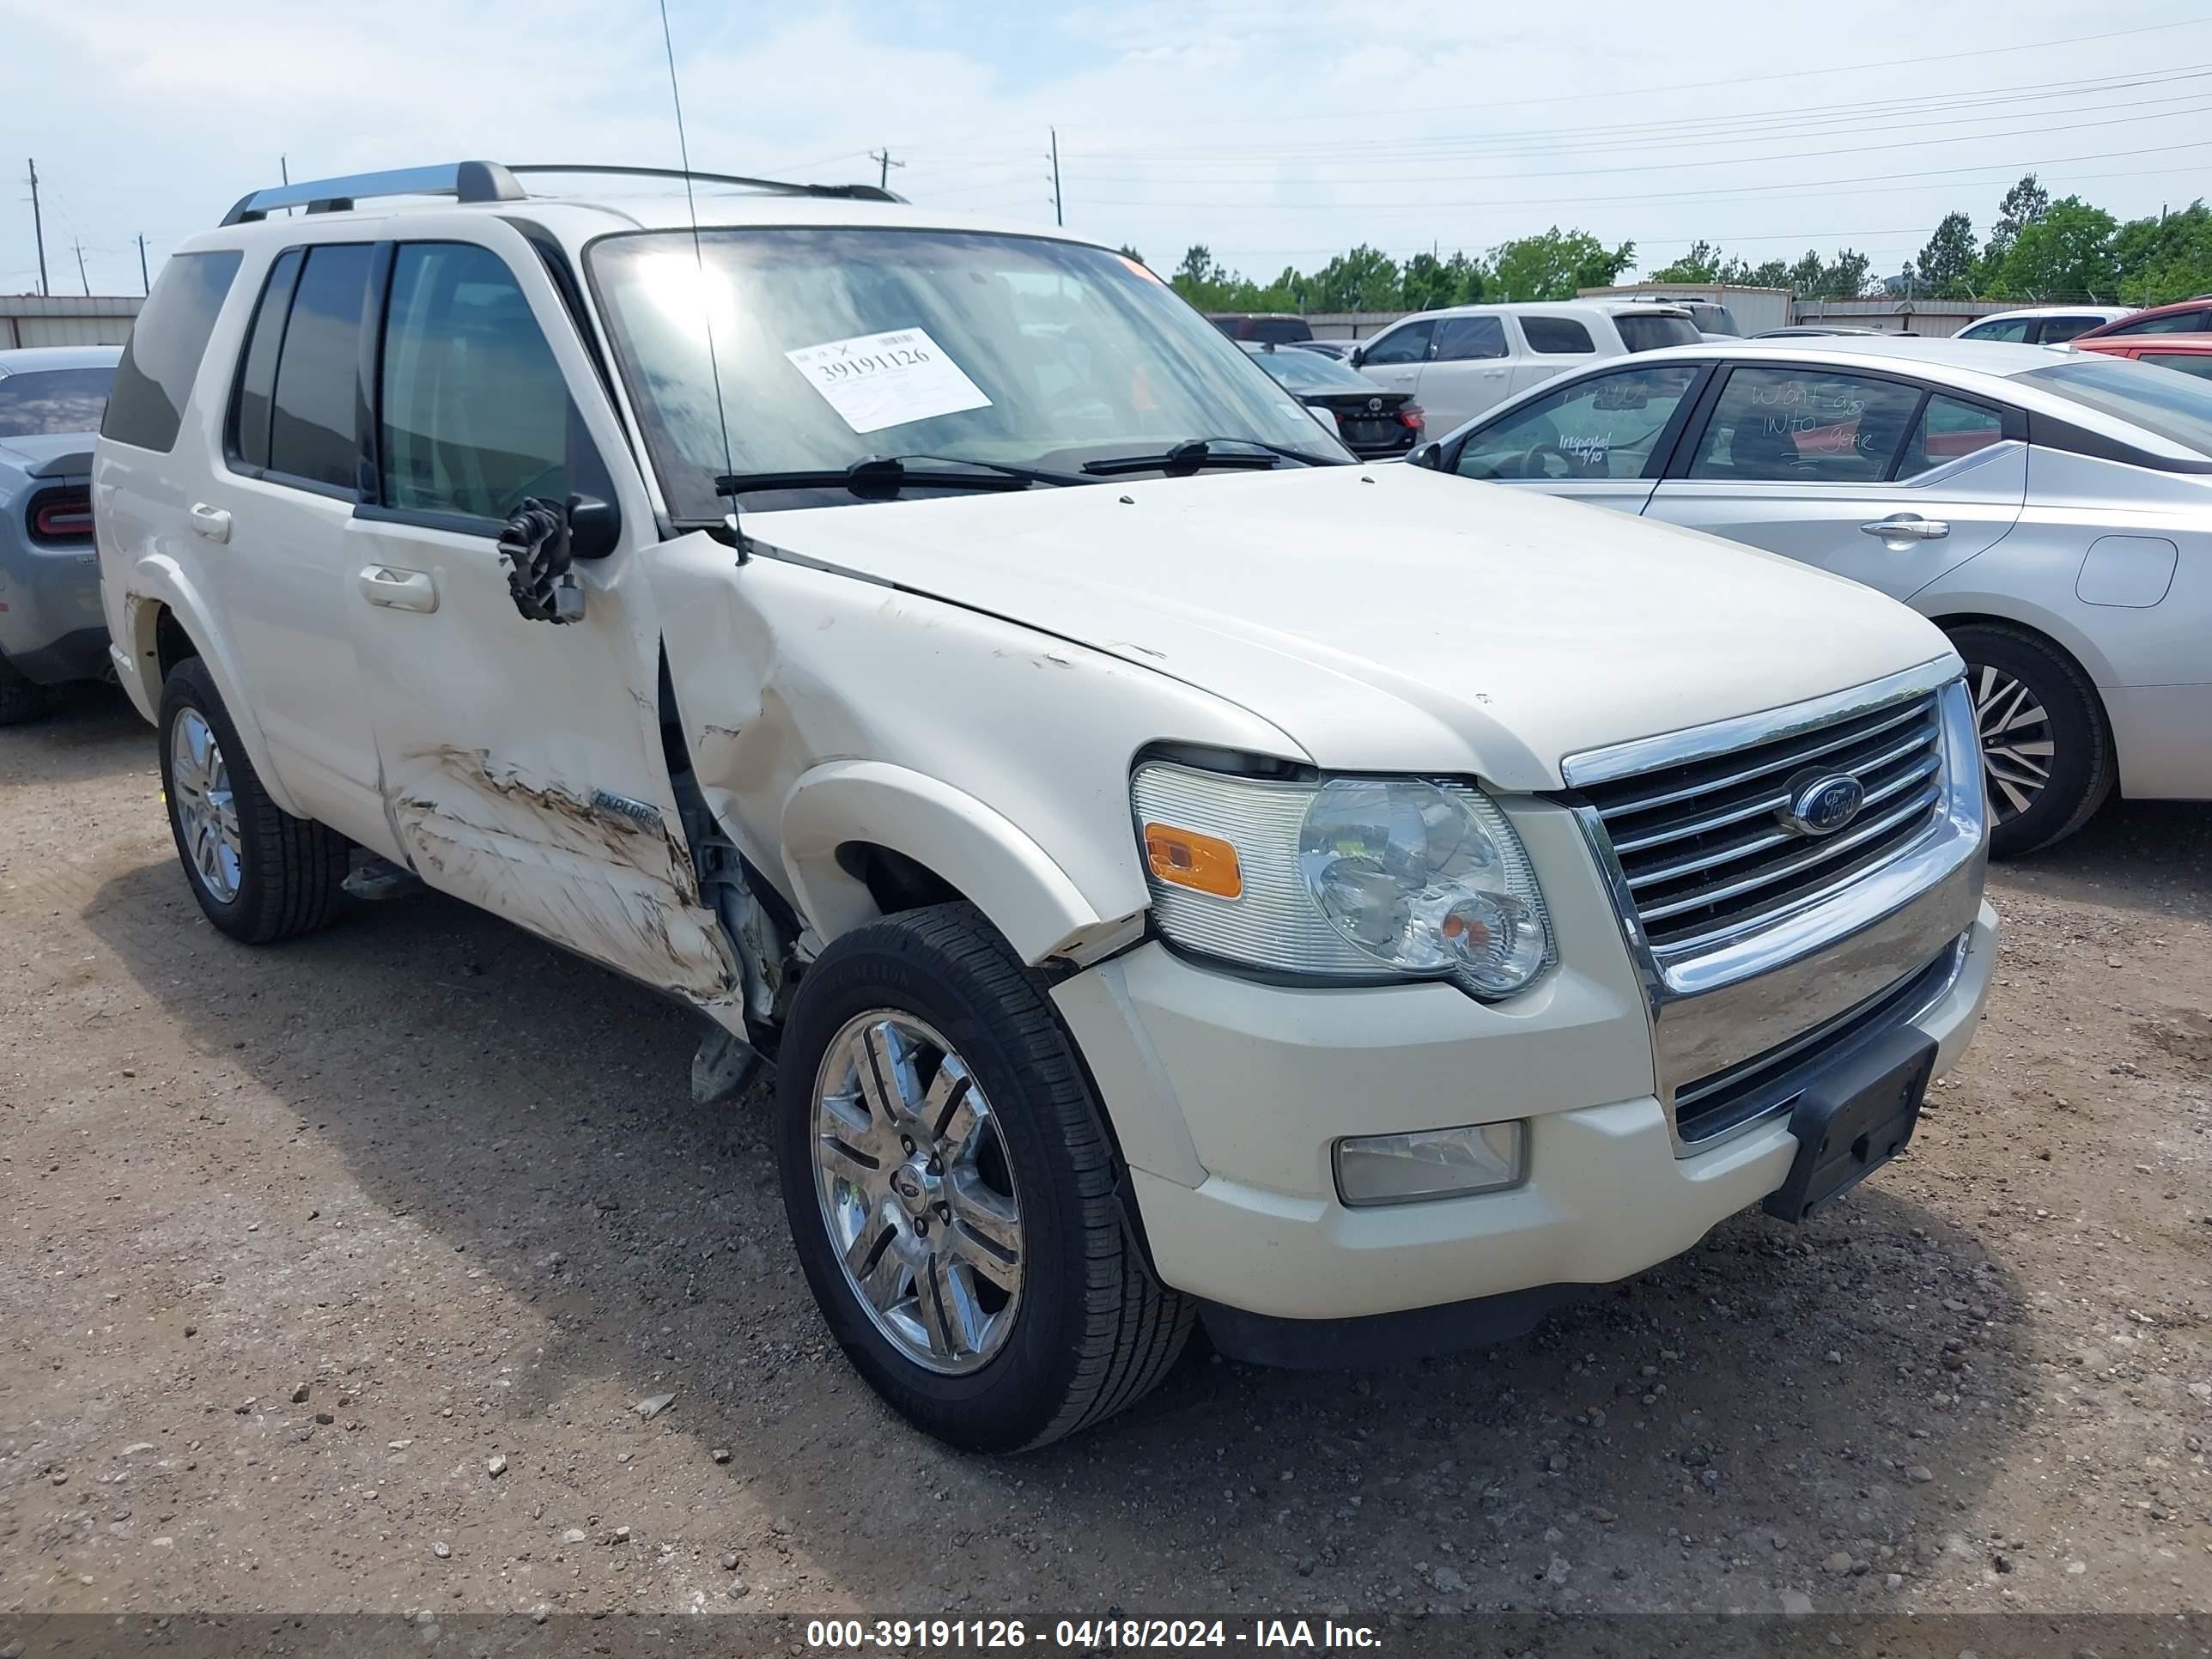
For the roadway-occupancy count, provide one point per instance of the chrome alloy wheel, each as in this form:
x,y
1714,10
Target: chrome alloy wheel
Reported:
x,y
917,1192
2017,742
206,810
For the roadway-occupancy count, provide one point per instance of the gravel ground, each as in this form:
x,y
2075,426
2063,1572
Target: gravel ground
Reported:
x,y
330,1275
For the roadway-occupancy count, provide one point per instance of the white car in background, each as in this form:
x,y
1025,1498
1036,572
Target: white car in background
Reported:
x,y
1461,361
2051,511
2043,324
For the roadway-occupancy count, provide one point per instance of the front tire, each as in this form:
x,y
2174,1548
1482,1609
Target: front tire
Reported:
x,y
2047,756
259,873
950,1187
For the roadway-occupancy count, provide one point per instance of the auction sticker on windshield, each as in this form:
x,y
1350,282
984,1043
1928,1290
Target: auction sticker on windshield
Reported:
x,y
876,380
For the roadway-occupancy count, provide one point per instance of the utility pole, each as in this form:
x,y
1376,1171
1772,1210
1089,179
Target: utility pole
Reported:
x,y
284,174
145,282
38,227
1056,215
80,276
884,172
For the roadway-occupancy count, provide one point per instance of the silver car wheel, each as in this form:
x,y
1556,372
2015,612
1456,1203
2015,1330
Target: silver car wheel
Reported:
x,y
2017,742
206,809
917,1192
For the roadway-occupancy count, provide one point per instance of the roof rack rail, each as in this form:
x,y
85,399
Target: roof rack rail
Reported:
x,y
464,181
781,187
487,181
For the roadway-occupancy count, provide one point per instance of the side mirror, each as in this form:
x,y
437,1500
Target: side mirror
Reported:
x,y
594,528
534,545
1356,356
1430,455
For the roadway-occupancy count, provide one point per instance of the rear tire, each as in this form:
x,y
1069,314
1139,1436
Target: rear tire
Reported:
x,y
1067,1325
259,873
21,701
2048,760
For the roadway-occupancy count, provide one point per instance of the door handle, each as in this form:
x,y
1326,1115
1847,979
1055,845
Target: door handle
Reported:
x,y
212,522
399,589
1907,527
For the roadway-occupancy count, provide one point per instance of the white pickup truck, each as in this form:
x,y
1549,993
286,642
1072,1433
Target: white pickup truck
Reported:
x,y
1178,872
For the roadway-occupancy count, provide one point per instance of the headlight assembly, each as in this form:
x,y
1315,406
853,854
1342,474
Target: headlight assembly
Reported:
x,y
1349,879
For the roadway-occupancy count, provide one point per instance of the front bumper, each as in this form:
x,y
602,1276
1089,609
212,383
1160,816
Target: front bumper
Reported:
x,y
1607,1195
1227,1096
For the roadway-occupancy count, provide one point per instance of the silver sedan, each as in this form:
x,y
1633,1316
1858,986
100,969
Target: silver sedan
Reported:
x,y
2050,510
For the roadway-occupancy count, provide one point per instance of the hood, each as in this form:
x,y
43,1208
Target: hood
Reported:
x,y
1390,618
50,455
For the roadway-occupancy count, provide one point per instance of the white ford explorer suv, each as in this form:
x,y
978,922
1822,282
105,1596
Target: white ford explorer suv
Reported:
x,y
1178,873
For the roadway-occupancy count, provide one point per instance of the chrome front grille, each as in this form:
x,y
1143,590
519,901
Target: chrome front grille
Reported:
x,y
1704,845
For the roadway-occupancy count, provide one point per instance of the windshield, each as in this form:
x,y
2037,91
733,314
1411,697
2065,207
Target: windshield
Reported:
x,y
834,344
1642,331
53,400
1310,371
2176,407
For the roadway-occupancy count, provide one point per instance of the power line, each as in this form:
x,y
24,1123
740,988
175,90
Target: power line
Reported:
x,y
1676,167
1798,185
1689,86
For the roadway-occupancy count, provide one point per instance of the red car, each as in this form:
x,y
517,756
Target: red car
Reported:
x,y
2189,353
2182,317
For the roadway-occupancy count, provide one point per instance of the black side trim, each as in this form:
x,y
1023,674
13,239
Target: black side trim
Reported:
x,y
1379,1339
2050,432
369,377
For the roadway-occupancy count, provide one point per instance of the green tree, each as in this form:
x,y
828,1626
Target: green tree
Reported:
x,y
2023,204
1128,252
1946,265
1844,277
2168,258
1553,263
1702,264
1364,279
2064,251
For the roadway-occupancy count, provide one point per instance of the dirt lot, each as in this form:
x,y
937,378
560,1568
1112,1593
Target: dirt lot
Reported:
x,y
298,1244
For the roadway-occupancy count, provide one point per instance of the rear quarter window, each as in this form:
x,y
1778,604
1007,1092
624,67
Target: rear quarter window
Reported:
x,y
1646,333
154,379
1562,336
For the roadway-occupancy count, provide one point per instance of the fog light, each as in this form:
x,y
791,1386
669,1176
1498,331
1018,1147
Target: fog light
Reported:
x,y
1431,1163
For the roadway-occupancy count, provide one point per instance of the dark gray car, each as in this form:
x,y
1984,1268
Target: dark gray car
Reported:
x,y
51,627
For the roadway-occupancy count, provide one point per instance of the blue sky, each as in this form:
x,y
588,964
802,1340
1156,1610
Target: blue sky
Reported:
x,y
1276,133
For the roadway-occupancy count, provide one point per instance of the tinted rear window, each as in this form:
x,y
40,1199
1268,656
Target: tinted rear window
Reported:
x,y
1561,334
155,378
1309,371
312,433
1640,333
53,400
2175,407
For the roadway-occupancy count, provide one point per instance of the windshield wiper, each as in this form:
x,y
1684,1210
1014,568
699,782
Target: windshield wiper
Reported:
x,y
1185,458
885,476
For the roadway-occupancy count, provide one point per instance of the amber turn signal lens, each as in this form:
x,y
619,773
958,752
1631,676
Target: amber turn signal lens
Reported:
x,y
1205,863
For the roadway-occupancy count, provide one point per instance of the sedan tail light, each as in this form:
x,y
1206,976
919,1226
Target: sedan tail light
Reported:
x,y
1411,416
62,514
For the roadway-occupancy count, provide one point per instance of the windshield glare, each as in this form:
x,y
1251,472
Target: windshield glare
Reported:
x,y
44,402
2176,407
834,344
1309,371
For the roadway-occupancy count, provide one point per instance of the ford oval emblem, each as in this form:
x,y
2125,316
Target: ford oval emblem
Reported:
x,y
1823,805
